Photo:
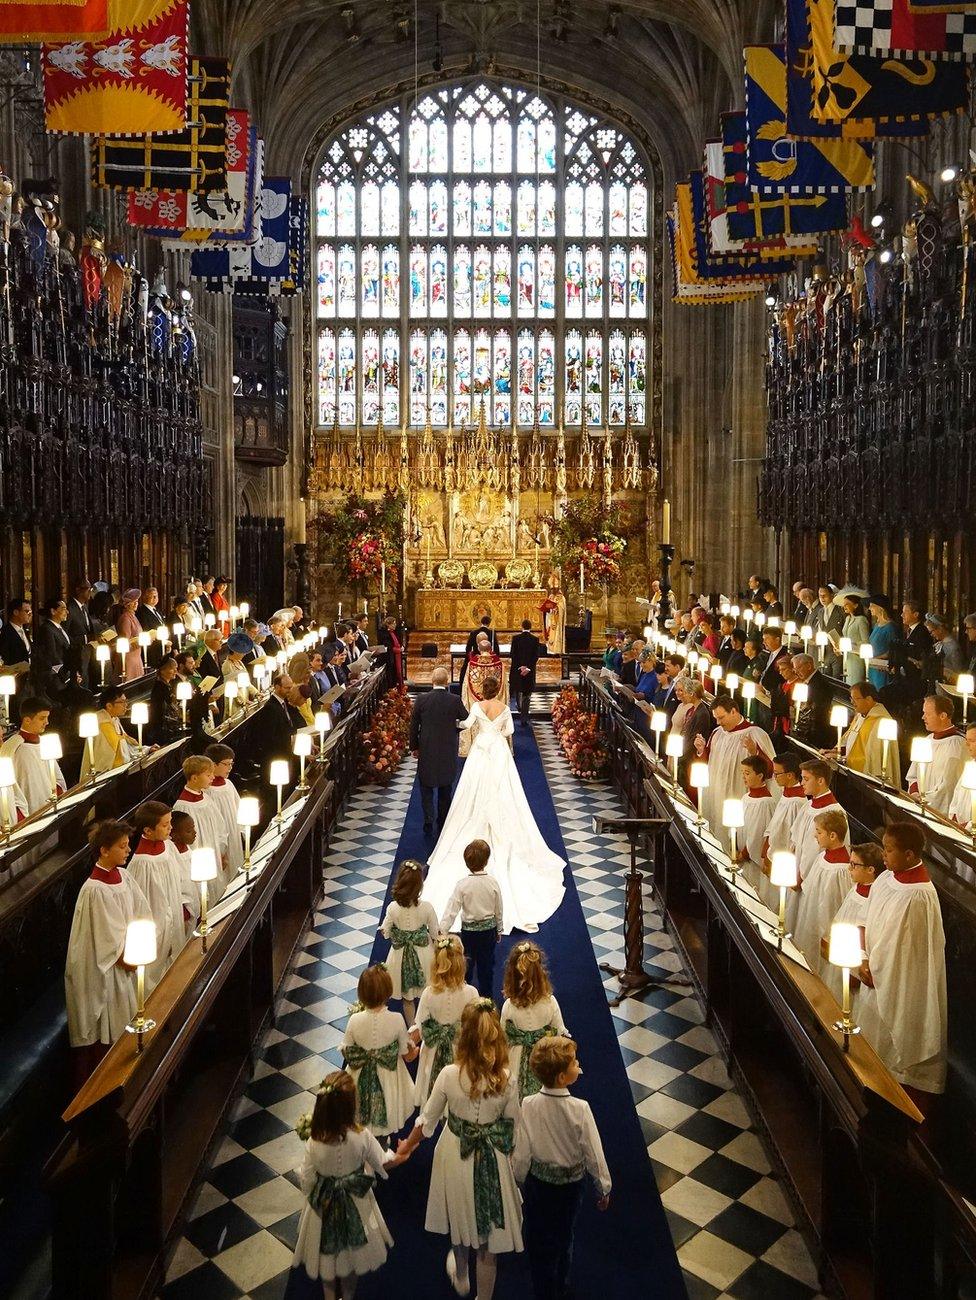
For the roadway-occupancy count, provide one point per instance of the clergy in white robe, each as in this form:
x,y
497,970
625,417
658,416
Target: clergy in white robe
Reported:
x,y
863,747
24,747
113,747
824,886
732,740
757,807
866,865
100,992
961,807
156,868
225,796
209,820
949,754
904,1014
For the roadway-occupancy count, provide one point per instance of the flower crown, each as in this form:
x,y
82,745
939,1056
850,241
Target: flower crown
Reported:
x,y
529,950
486,1004
411,864
327,1086
443,943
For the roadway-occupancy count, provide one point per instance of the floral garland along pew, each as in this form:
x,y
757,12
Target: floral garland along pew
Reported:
x,y
579,736
388,737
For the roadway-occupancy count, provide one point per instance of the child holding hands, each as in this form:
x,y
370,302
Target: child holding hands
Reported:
x,y
530,1012
439,1012
375,1049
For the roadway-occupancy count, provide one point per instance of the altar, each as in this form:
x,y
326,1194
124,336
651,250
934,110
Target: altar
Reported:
x,y
441,610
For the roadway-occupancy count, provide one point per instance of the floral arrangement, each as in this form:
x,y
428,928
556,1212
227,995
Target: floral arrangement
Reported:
x,y
361,536
386,741
579,736
304,1127
591,535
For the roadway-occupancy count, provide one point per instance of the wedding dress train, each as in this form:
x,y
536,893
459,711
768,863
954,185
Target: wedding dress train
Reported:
x,y
490,804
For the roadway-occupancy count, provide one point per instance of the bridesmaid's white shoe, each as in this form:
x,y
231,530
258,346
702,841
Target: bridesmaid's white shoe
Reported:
x,y
461,1285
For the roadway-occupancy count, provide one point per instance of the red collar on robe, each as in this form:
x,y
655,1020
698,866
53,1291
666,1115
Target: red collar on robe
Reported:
x,y
151,847
113,877
219,780
823,800
191,796
759,792
183,848
742,726
916,875
794,792
944,735
863,890
836,855
29,737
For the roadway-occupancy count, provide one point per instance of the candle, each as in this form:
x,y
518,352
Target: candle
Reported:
x,y
666,522
965,684
674,747
922,754
301,523
801,694
582,579
887,732
382,577
782,874
839,719
733,819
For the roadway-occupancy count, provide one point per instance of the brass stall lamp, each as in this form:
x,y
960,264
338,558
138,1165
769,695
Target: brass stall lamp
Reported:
x,y
203,869
674,747
782,875
8,687
184,693
323,721
715,673
733,819
866,652
659,725
839,718
8,779
248,816
139,713
122,649
887,733
302,749
732,683
800,695
821,641
698,779
245,609
230,695
162,635
748,695
140,952
145,641
923,751
789,627
235,614
51,753
845,951
178,632
965,685
279,776
243,686
87,731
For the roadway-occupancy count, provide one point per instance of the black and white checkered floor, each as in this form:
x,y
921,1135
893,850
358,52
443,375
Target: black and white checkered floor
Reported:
x,y
732,1225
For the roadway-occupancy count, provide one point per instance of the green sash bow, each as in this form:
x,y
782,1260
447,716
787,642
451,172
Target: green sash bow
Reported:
x,y
482,1141
332,1198
475,927
441,1039
372,1103
411,972
528,1081
556,1175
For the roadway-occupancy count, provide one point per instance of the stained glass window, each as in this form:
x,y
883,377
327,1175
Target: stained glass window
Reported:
x,y
515,271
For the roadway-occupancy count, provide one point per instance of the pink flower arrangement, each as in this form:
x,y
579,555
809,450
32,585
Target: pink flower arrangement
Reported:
x,y
579,736
386,741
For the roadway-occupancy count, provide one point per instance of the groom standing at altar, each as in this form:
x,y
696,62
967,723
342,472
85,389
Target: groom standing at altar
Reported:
x,y
434,742
525,655
472,645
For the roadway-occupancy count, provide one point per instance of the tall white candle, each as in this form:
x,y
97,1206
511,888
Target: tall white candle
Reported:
x,y
666,522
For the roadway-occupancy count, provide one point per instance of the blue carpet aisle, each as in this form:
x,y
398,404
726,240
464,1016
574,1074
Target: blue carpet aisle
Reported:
x,y
728,1218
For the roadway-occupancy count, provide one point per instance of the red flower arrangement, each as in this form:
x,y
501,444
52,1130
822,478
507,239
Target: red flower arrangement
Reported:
x,y
386,741
579,736
366,552
600,558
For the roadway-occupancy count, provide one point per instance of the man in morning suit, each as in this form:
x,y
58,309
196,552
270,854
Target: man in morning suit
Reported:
x,y
79,628
525,655
277,723
470,648
434,742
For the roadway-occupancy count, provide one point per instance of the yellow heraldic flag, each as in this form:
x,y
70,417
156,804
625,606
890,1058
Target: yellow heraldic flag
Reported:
x,y
65,20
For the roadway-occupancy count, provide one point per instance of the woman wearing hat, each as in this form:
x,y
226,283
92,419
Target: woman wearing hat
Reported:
x,y
128,625
884,633
237,646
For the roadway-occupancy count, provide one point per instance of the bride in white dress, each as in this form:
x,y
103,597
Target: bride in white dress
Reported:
x,y
490,804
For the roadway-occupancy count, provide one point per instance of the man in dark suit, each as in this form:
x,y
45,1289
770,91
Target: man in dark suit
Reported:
x,y
206,595
470,648
772,639
52,651
277,723
525,655
147,611
15,642
362,632
165,722
209,665
78,625
274,641
812,723
434,742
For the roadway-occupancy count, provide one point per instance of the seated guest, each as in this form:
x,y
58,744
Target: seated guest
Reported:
x,y
297,625
902,1001
829,618
147,611
812,720
51,663
113,746
127,625
961,808
186,665
686,627
949,755
824,885
253,631
668,700
100,991
628,669
863,748
180,613
771,603
348,638
165,717
609,650
945,661
907,658
781,699
857,629
772,639
33,773
208,818
708,640
300,672
78,626
218,598
806,598
274,642
205,593
884,638
209,662
321,681
692,720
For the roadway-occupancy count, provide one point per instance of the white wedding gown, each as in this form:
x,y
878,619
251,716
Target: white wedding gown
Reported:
x,y
490,804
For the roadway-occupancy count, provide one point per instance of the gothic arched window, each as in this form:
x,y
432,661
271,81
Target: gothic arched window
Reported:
x,y
484,244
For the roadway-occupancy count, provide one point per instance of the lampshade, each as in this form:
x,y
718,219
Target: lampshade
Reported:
x,y
280,772
184,691
302,744
178,629
140,943
725,607
922,749
257,672
8,684
821,638
733,814
162,633
282,658
203,865
659,720
648,631
760,619
715,672
732,681
866,651
966,684
243,682
222,616
50,746
209,619
231,689
845,945
846,645
749,690
800,693
693,658
87,725
145,640
789,627
782,869
8,774
773,620
674,746
323,721
839,716
698,775
196,623
248,811
735,611
122,645
245,609
139,713
806,632
102,653
887,729
968,778
235,613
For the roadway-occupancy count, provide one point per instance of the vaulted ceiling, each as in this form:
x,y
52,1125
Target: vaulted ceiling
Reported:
x,y
672,65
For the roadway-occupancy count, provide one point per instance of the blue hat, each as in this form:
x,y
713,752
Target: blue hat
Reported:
x,y
239,643
264,630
